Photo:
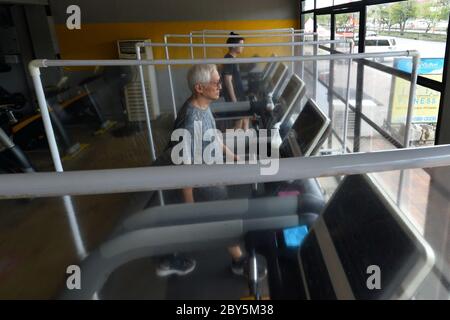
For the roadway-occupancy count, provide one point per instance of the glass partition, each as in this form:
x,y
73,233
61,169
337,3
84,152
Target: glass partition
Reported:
x,y
43,237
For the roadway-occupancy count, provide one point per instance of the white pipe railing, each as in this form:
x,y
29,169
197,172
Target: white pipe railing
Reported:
x,y
272,44
250,34
44,63
228,45
57,163
249,31
51,184
147,119
146,112
140,45
315,69
74,227
412,96
289,33
301,53
35,66
175,177
204,47
204,36
204,44
292,53
190,42
169,69
347,97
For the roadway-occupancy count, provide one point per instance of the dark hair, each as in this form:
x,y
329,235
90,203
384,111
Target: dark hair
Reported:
x,y
234,40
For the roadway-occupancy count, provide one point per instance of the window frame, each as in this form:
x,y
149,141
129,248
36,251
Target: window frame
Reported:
x,y
361,6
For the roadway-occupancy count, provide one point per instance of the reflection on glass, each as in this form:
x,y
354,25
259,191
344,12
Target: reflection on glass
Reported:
x,y
36,241
74,227
401,190
376,98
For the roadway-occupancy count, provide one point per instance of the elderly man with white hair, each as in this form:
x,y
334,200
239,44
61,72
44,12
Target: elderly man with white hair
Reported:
x,y
196,118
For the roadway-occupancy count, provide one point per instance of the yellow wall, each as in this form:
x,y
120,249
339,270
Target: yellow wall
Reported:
x,y
98,40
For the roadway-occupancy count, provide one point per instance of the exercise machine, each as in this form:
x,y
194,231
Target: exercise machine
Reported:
x,y
360,232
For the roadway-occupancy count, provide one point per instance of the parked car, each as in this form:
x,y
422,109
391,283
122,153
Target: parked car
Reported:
x,y
380,44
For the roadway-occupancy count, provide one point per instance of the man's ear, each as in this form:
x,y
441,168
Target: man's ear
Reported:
x,y
198,88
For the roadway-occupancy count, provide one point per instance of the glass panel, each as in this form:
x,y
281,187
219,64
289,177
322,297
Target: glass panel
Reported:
x,y
323,3
369,139
324,27
377,99
424,119
386,105
410,25
308,20
347,26
42,237
308,5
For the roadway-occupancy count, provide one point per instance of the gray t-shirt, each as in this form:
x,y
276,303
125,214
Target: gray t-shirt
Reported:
x,y
197,122
201,126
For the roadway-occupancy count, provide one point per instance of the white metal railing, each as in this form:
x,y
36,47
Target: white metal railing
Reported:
x,y
290,34
35,66
171,85
50,184
166,46
282,32
158,178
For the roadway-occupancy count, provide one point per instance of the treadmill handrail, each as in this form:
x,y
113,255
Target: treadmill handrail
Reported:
x,y
240,106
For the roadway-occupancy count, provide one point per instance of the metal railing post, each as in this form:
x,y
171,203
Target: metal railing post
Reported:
x,y
412,97
169,69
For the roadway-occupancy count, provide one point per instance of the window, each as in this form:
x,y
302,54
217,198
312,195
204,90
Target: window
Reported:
x,y
308,22
347,26
324,26
383,43
308,5
379,95
323,3
415,24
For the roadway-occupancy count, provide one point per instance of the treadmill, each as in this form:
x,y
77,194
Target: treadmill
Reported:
x,y
360,229
308,132
257,78
302,138
290,99
270,90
